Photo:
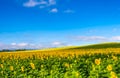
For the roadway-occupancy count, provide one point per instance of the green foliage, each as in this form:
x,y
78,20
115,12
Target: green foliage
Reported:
x,y
62,67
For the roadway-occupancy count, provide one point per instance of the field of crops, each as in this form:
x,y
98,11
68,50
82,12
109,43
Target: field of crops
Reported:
x,y
71,63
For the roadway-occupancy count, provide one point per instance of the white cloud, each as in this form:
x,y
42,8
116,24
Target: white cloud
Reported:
x,y
46,4
22,44
52,2
97,38
4,46
69,45
43,2
56,43
13,44
90,38
116,38
68,11
31,3
54,10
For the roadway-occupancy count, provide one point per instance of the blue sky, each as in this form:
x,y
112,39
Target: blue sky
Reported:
x,y
54,23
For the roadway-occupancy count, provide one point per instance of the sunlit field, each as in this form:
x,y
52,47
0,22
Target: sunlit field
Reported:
x,y
62,63
59,38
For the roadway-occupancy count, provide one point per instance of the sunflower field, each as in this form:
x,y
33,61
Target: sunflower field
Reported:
x,y
75,63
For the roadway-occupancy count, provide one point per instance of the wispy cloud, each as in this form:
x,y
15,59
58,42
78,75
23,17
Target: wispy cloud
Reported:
x,y
54,10
18,46
31,3
116,38
34,3
52,2
13,44
46,4
83,39
96,38
57,43
24,45
90,38
69,11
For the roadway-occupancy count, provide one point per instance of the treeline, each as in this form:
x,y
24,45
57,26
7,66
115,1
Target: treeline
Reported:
x,y
7,50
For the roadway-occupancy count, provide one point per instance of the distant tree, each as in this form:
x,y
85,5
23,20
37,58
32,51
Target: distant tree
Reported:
x,y
5,50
